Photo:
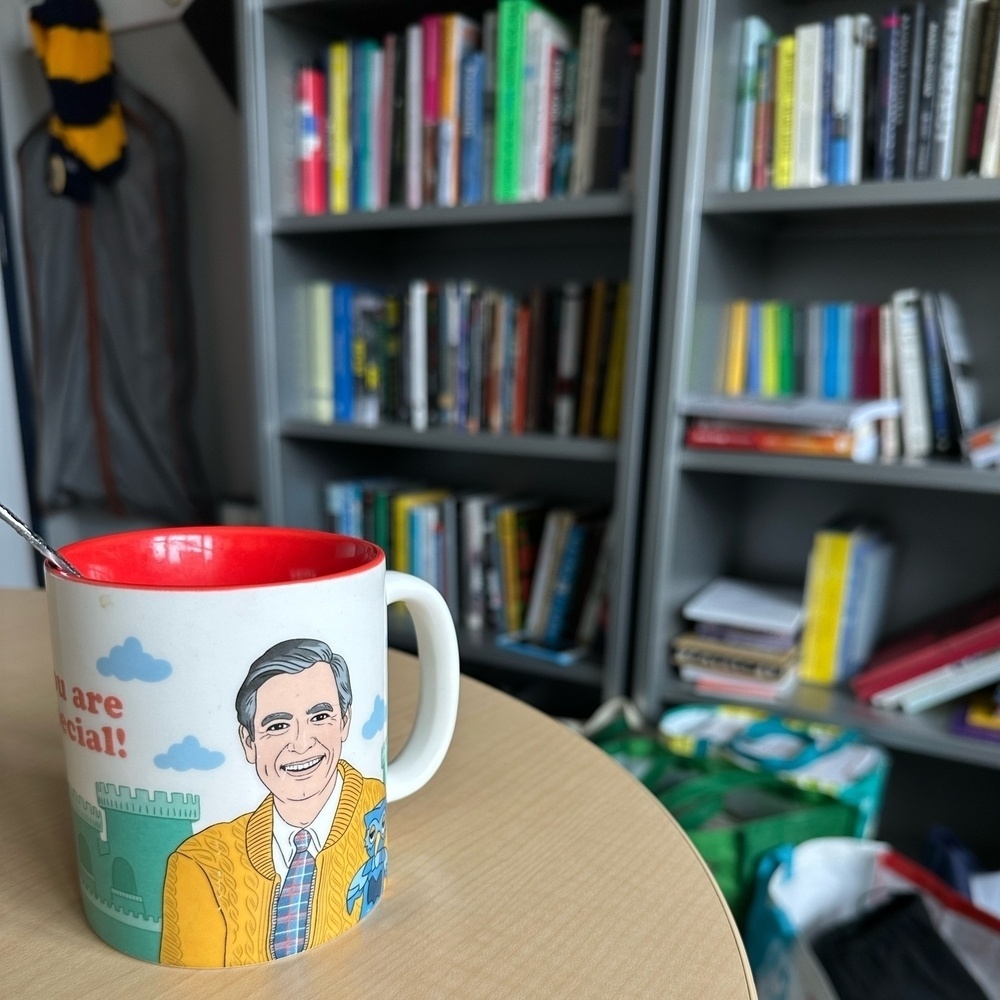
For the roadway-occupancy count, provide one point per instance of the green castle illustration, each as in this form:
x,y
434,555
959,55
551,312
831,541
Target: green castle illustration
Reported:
x,y
121,872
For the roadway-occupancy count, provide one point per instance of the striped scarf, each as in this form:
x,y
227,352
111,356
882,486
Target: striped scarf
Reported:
x,y
86,126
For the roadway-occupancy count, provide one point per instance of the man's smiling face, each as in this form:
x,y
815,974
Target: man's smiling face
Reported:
x,y
298,736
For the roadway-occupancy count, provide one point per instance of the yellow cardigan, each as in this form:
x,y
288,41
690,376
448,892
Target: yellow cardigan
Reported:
x,y
220,885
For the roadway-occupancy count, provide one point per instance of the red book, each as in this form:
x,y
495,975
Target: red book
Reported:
x,y
770,439
311,100
964,631
431,25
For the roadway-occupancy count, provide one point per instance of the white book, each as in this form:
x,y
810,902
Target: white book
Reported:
x,y
795,411
958,359
316,326
374,130
473,519
863,39
946,106
553,37
890,441
414,113
807,159
989,162
742,604
418,355
568,359
557,523
911,370
941,684
755,32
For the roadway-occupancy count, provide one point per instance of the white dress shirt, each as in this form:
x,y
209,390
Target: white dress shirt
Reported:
x,y
282,845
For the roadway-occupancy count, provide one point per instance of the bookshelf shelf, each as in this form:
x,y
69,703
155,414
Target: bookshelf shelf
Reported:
x,y
479,647
611,205
539,446
925,733
929,475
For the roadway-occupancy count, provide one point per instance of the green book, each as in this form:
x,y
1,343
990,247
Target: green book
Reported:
x,y
512,21
786,349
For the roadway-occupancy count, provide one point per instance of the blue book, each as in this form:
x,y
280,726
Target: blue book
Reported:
x,y
514,642
471,150
937,376
366,52
343,360
358,114
562,588
845,351
831,332
753,351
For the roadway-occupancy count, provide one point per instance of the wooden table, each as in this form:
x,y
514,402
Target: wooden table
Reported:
x,y
532,865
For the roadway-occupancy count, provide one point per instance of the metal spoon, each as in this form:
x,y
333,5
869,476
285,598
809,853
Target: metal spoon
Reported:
x,y
38,543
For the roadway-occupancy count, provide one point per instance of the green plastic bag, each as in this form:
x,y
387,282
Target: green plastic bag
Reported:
x,y
733,816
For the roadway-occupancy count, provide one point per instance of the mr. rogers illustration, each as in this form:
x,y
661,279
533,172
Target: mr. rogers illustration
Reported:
x,y
286,876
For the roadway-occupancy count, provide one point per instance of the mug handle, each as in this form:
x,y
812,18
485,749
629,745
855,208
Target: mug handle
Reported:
x,y
437,707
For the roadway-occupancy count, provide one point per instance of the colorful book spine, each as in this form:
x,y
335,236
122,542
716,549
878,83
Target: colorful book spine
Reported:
x,y
786,349
826,580
471,168
784,111
770,377
755,33
431,56
343,346
312,132
736,347
512,16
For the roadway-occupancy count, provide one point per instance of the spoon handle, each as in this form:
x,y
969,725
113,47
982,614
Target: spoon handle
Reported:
x,y
38,543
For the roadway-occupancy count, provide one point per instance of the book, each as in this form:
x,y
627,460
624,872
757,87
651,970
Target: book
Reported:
x,y
978,718
571,577
417,355
568,361
471,158
946,105
516,643
826,593
975,21
944,683
711,682
555,529
989,161
459,37
889,61
737,343
966,630
612,112
609,418
943,434
792,412
911,65
841,100
414,114
747,605
512,21
763,124
807,155
431,26
774,440
962,381
310,99
472,517
784,112
983,80
402,502
593,25
890,436
340,126
928,92
596,327
754,33
316,366
912,373
862,112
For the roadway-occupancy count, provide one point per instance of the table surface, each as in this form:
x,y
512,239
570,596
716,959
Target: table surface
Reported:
x,y
531,865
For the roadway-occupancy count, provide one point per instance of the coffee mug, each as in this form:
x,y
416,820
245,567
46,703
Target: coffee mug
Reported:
x,y
222,697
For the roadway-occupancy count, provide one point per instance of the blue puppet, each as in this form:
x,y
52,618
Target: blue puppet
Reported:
x,y
367,883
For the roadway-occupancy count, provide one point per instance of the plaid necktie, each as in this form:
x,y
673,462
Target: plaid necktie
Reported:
x,y
291,922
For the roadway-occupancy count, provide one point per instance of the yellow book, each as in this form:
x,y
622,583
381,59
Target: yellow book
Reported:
x,y
340,127
611,401
736,347
784,111
826,591
506,528
770,370
585,411
402,504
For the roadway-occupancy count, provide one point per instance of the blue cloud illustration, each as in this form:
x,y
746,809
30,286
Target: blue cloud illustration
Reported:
x,y
130,662
375,721
189,755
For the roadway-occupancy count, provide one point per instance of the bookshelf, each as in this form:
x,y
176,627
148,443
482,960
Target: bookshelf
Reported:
x,y
752,515
604,234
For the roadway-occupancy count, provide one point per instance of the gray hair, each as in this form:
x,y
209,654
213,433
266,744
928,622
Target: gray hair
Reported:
x,y
290,657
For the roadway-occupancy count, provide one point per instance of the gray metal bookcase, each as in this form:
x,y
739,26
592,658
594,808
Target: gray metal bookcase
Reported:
x,y
753,516
613,235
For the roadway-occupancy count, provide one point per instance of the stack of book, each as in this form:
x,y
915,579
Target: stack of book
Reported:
x,y
913,93
913,347
793,426
949,655
455,354
847,586
535,575
743,641
979,717
981,445
450,110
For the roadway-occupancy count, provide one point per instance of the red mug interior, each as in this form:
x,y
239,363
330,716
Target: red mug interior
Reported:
x,y
194,558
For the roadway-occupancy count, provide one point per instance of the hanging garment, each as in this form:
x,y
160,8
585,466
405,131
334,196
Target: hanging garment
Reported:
x,y
114,350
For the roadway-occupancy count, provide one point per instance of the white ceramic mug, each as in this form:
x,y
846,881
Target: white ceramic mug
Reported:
x,y
222,694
